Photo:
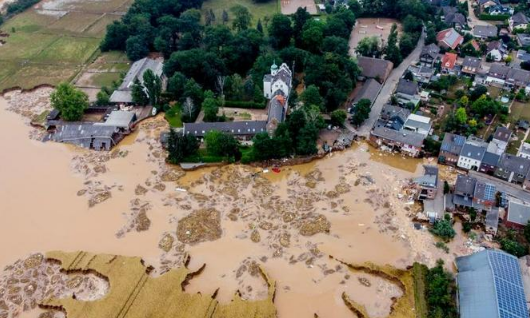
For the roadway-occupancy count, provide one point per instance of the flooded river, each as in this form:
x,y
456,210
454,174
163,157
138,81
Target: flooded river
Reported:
x,y
268,219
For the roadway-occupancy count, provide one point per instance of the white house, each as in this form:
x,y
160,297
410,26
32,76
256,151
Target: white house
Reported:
x,y
517,21
472,153
420,124
278,80
524,151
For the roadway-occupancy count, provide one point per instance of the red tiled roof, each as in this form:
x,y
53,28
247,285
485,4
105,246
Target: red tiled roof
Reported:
x,y
449,60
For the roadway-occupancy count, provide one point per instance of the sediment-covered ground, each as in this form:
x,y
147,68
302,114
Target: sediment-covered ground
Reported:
x,y
235,219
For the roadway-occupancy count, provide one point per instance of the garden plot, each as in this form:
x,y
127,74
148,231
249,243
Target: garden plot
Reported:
x,y
290,6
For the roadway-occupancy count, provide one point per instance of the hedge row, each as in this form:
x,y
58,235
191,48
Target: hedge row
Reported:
x,y
489,17
243,104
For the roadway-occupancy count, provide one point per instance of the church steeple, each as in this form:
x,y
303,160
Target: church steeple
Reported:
x,y
274,68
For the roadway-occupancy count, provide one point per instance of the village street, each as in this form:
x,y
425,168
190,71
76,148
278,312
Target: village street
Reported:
x,y
388,89
473,20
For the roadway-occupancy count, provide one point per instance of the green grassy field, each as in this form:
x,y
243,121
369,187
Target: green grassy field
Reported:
x,y
258,10
51,48
519,111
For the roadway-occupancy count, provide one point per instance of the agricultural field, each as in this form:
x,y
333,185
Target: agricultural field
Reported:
x,y
55,40
257,9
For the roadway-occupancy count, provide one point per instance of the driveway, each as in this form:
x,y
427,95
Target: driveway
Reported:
x,y
473,18
388,89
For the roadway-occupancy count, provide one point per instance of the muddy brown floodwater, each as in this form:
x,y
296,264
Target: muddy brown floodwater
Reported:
x,y
129,202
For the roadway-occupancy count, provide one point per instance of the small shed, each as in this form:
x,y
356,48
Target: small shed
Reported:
x,y
120,119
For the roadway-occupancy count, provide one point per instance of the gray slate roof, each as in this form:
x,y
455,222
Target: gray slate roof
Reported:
x,y
524,39
502,133
484,191
519,18
473,151
372,67
491,159
490,286
485,31
369,90
518,76
518,212
236,127
78,131
453,143
457,18
471,61
513,163
137,70
409,137
407,87
465,185
498,70
432,50
119,118
429,177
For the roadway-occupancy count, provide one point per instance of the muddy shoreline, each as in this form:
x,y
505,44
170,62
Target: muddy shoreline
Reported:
x,y
129,202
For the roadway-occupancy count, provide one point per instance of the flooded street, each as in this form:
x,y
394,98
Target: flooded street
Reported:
x,y
128,202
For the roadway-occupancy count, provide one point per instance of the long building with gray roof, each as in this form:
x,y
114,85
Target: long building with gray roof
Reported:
x,y
490,286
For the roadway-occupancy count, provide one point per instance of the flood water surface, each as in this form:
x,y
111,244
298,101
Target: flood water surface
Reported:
x,y
56,197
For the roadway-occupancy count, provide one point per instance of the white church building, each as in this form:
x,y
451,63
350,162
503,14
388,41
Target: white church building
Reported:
x,y
277,87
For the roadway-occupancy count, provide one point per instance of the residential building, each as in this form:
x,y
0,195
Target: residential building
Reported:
x,y
123,95
485,31
427,183
484,4
421,74
429,55
464,191
496,50
407,92
490,285
393,117
489,163
456,20
523,56
378,69
472,154
524,151
407,142
512,168
471,65
451,148
523,39
419,124
484,196
86,135
500,10
243,129
518,214
517,78
448,63
500,140
497,74
523,125
518,21
369,90
449,39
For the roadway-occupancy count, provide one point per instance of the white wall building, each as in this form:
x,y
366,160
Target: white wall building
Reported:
x,y
278,80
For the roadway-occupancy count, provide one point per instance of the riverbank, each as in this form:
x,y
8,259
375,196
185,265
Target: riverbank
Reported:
x,y
129,202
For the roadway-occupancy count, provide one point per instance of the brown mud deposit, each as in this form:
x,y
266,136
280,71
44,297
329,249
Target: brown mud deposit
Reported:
x,y
287,223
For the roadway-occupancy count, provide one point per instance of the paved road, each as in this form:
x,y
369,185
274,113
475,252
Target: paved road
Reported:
x,y
502,186
388,89
473,18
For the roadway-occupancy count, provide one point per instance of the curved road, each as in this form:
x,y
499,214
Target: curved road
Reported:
x,y
388,89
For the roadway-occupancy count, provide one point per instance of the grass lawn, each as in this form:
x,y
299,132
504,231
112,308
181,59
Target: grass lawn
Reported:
x,y
75,22
21,45
513,146
105,79
173,116
32,75
258,10
419,273
28,22
69,49
519,111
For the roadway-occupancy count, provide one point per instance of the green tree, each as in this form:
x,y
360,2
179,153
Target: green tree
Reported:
x,y
179,147
472,214
210,106
242,17
369,46
307,140
221,144
176,85
263,147
300,17
362,112
444,230
338,117
513,247
313,35
259,26
311,96
70,101
153,86
280,30
136,47
224,17
461,116
139,97
335,44
447,188
102,98
463,102
527,232
440,292
393,53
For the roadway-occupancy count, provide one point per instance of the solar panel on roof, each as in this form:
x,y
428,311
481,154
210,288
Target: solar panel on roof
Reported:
x,y
489,192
